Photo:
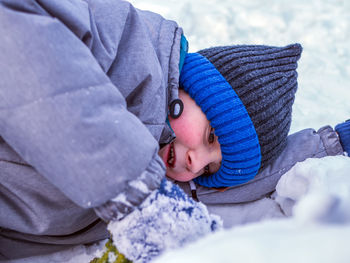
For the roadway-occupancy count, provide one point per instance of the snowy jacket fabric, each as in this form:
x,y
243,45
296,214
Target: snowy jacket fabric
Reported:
x,y
85,87
252,201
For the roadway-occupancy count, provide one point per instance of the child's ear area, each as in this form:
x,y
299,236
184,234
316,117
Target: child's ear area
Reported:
x,y
176,108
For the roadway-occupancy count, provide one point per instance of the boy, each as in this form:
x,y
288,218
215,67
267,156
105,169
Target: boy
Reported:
x,y
85,92
265,80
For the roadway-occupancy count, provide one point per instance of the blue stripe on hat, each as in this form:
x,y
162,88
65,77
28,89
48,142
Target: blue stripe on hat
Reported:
x,y
239,142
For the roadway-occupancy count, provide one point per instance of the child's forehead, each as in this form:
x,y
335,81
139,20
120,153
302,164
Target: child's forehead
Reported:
x,y
189,102
191,109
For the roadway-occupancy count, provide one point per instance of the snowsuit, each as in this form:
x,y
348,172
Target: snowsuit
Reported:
x,y
85,87
97,78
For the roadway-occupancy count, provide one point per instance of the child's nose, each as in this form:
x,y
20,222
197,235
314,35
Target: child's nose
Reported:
x,y
196,160
192,162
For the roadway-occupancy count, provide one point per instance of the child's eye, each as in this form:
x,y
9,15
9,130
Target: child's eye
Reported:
x,y
206,170
211,137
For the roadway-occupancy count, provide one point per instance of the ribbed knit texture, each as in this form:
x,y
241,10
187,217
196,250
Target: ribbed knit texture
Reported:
x,y
265,80
343,130
227,115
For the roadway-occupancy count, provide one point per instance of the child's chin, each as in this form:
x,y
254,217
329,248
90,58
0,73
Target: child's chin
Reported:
x,y
179,178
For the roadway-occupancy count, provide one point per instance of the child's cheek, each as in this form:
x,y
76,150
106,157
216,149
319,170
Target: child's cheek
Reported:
x,y
185,131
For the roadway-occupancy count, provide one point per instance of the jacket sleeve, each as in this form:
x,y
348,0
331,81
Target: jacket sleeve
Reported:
x,y
59,110
301,145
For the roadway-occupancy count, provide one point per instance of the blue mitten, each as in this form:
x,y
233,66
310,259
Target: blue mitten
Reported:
x,y
168,218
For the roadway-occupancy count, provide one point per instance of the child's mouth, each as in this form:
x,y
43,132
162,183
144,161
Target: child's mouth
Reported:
x,y
171,156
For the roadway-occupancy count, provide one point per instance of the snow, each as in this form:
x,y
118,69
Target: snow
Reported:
x,y
268,242
321,188
167,219
318,231
322,27
316,192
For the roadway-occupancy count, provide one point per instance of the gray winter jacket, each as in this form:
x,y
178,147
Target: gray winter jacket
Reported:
x,y
85,87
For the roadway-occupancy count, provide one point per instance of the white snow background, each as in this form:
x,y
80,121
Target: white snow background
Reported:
x,y
319,230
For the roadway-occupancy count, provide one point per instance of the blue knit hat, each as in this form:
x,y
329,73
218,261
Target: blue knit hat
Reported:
x,y
246,92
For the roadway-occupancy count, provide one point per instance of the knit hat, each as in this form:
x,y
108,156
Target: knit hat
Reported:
x,y
247,93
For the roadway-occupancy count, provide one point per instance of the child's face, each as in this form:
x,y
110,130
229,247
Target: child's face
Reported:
x,y
196,149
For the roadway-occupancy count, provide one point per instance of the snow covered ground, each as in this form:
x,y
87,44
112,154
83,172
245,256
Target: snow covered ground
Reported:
x,y
321,26
319,230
